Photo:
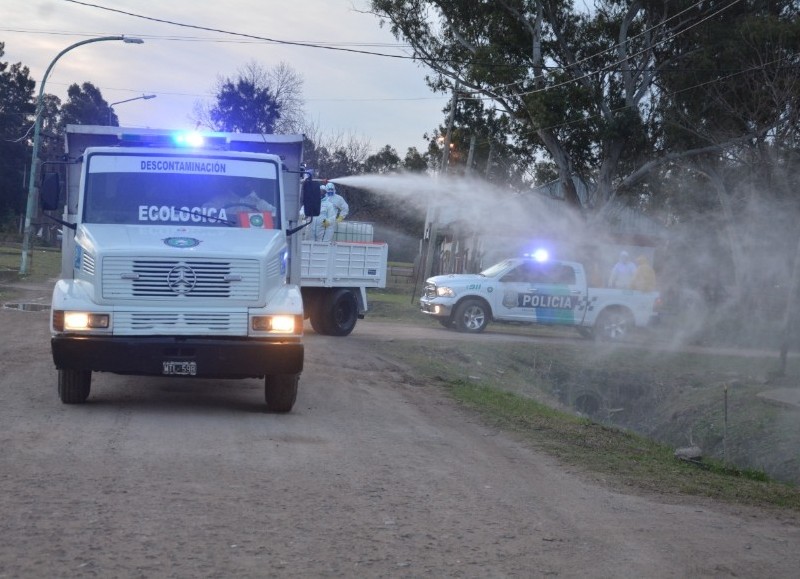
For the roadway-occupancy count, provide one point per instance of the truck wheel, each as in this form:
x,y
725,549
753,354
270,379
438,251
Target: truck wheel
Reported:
x,y
471,316
318,324
613,325
280,392
74,385
315,316
340,313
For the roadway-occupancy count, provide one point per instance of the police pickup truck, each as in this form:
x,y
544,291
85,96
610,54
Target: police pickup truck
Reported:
x,y
536,290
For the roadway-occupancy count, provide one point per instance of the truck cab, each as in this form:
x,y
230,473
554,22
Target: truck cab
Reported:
x,y
177,259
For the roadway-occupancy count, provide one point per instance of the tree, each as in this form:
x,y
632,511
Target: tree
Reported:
x,y
16,110
414,161
51,133
582,86
85,106
258,100
384,161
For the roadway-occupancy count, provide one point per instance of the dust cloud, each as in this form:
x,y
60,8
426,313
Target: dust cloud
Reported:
x,y
505,222
725,283
720,282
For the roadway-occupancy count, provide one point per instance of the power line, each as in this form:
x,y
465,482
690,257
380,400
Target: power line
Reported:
x,y
203,38
242,34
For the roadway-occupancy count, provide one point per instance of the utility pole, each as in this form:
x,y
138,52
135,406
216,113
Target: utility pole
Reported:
x,y
30,207
433,211
432,214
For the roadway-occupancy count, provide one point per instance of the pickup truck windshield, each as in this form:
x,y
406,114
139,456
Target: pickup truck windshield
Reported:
x,y
497,268
137,189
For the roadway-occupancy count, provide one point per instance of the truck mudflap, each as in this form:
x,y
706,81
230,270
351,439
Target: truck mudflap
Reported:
x,y
179,356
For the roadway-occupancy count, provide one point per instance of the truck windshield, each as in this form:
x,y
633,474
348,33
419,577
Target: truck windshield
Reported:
x,y
138,189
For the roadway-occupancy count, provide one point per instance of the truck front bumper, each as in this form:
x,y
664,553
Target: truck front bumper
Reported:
x,y
434,308
151,355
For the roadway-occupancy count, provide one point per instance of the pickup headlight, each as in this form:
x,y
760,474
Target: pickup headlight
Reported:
x,y
445,292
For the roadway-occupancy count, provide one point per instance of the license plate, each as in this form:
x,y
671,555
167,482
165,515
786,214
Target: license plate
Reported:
x,y
174,368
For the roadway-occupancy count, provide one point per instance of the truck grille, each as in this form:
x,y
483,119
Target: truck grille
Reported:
x,y
181,323
429,291
188,278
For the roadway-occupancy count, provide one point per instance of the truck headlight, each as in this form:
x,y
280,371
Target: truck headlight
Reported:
x,y
279,324
77,321
445,292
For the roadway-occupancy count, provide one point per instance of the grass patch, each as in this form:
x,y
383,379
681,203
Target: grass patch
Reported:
x,y
530,389
621,457
45,263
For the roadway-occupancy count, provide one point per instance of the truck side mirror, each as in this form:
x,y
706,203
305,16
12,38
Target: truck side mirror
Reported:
x,y
49,191
311,198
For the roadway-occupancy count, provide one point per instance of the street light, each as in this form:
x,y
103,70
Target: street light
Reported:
x,y
111,106
37,122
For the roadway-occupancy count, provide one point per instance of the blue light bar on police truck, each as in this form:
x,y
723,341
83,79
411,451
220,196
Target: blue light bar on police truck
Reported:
x,y
541,255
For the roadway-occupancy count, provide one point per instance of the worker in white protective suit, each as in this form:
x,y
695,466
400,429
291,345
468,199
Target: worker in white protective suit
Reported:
x,y
342,209
322,226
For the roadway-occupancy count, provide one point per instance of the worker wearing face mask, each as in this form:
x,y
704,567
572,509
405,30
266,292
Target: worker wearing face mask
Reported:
x,y
332,197
322,226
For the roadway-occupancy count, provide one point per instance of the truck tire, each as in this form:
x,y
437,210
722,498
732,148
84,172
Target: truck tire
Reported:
x,y
280,392
74,385
313,307
339,313
318,323
471,316
613,324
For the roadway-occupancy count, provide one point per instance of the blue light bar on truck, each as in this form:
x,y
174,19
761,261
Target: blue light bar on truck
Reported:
x,y
182,139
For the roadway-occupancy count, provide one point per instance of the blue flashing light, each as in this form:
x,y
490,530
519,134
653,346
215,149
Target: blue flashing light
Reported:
x,y
541,255
189,139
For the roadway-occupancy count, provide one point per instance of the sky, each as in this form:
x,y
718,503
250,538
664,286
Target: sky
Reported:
x,y
377,99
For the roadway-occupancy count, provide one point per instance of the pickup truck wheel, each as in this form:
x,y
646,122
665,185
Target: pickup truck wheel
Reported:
x,y
74,385
471,316
339,313
280,392
613,325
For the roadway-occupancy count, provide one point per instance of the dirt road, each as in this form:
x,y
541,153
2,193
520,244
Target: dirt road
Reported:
x,y
372,475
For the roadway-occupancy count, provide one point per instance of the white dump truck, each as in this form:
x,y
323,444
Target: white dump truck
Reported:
x,y
181,256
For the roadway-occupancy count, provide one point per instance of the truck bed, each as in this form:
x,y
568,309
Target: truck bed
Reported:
x,y
343,264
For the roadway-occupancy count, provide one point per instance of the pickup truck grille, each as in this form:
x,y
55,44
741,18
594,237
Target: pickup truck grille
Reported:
x,y
163,278
429,291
